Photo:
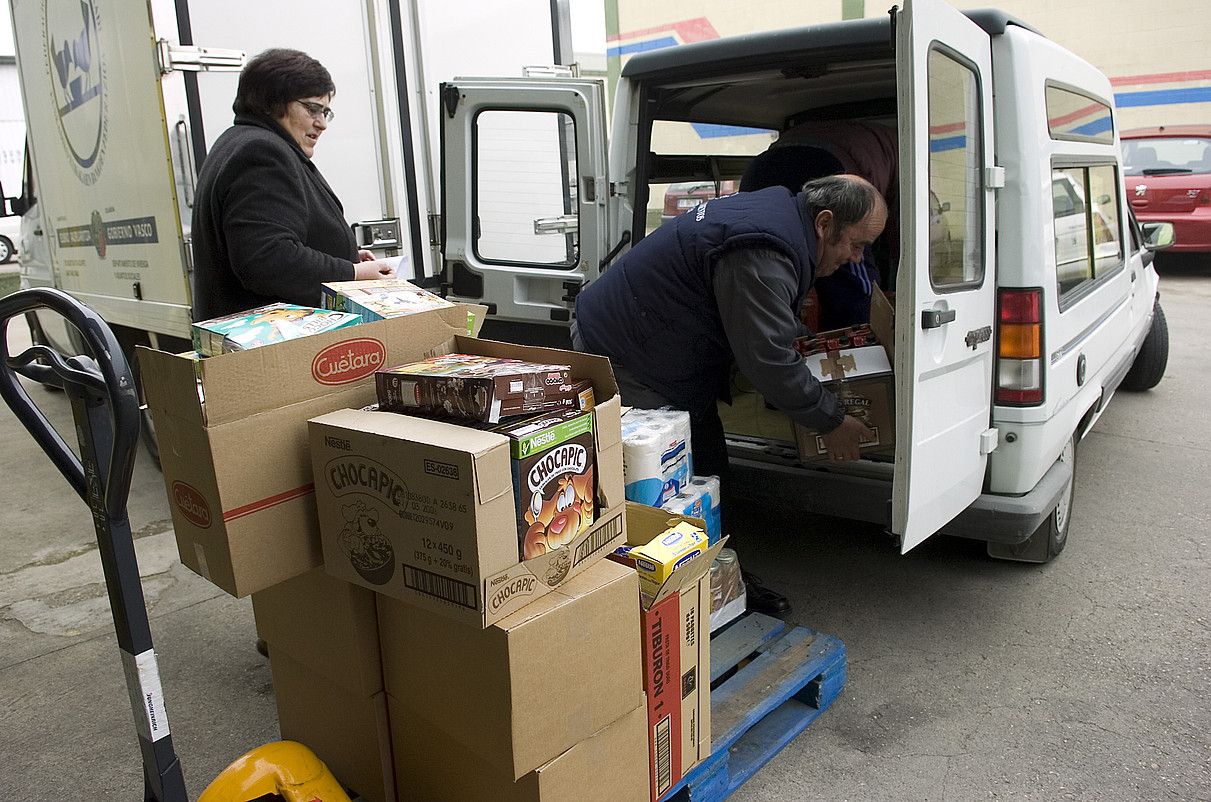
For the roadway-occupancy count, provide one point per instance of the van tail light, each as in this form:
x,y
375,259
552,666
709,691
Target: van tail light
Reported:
x,y
1204,197
1019,347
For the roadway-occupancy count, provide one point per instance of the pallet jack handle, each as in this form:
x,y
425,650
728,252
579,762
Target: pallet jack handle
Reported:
x,y
105,408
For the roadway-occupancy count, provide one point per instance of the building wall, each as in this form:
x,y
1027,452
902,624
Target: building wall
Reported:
x,y
1157,54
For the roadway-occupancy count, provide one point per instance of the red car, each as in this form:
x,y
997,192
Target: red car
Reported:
x,y
1168,179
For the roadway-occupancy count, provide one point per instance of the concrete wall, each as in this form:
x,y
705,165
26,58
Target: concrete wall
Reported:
x,y
1157,54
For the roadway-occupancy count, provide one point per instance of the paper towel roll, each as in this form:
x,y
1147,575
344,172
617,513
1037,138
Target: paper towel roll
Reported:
x,y
681,422
642,474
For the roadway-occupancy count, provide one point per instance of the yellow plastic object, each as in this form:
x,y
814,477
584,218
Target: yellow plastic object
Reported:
x,y
286,768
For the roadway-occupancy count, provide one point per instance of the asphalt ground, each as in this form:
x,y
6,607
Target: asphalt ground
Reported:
x,y
968,679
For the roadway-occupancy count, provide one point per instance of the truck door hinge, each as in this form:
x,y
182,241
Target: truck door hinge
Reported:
x,y
989,438
435,230
192,58
618,189
994,177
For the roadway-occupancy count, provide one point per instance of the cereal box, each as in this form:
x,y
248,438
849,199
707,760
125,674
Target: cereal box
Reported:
x,y
477,388
553,479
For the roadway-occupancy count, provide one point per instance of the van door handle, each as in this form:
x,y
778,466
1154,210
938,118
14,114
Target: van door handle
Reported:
x,y
935,318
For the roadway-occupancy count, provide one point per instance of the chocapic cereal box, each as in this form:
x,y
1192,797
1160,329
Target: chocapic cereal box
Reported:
x,y
553,479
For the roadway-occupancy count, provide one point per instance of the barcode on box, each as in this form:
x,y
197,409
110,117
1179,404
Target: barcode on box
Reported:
x,y
442,587
664,755
598,539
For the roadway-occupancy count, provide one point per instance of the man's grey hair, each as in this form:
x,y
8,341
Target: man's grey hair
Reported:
x,y
849,200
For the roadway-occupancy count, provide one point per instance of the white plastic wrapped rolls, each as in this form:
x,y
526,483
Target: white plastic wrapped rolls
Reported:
x,y
709,486
691,501
655,445
641,449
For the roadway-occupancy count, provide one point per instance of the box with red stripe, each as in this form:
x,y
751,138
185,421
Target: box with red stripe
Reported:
x,y
232,431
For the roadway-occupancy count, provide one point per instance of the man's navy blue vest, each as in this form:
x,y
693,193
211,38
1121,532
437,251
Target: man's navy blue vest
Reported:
x,y
654,311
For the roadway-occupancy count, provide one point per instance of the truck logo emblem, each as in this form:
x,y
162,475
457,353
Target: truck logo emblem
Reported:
x,y
192,504
1141,190
73,55
348,361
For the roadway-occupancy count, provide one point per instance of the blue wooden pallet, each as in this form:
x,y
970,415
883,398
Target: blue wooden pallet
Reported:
x,y
793,676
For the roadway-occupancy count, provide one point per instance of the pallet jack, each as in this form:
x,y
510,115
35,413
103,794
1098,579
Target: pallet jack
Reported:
x,y
105,408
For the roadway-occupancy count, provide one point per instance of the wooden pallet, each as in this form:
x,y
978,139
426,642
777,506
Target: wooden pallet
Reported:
x,y
791,676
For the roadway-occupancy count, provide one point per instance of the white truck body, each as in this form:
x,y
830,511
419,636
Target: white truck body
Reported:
x,y
115,155
990,116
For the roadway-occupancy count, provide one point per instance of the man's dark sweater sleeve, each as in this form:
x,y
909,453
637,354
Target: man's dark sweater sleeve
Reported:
x,y
264,225
756,291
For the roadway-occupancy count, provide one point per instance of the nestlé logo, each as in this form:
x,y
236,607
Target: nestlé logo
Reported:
x,y
191,504
348,361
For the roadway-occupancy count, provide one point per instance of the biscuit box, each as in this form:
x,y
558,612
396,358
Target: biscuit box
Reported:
x,y
862,378
656,560
423,510
266,325
232,431
474,387
379,299
675,639
553,461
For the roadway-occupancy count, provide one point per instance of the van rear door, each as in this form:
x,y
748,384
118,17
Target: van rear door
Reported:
x,y
945,288
525,193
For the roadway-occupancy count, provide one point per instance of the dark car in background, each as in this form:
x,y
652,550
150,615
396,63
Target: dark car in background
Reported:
x,y
1167,173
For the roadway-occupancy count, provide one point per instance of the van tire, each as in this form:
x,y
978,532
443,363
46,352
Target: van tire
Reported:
x,y
6,250
1046,543
1150,363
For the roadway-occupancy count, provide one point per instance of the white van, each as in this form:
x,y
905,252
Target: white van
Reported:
x,y
1002,361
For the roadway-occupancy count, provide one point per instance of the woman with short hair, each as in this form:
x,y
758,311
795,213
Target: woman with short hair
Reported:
x,y
266,225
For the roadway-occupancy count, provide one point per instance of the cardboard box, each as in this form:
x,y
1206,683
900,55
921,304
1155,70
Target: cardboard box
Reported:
x,y
379,299
675,634
232,431
608,766
868,389
424,511
326,663
525,690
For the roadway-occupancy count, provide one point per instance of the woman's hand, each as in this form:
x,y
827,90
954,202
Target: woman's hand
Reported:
x,y
366,256
367,270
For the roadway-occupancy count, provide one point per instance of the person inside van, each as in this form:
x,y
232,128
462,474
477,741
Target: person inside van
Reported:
x,y
725,282
844,297
266,225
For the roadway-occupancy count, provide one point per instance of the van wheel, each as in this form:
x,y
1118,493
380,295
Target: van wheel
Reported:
x,y
1149,365
6,250
1052,535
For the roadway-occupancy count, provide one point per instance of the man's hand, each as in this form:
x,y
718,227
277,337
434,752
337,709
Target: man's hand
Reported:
x,y
842,442
366,270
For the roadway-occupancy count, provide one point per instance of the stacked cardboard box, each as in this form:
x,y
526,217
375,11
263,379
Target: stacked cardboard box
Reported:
x,y
438,664
513,710
323,638
424,511
861,376
675,634
232,431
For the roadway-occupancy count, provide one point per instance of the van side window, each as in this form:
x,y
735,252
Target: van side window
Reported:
x,y
956,204
1088,240
1077,117
522,161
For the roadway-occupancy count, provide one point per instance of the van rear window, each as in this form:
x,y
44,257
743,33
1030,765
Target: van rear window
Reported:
x,y
1074,116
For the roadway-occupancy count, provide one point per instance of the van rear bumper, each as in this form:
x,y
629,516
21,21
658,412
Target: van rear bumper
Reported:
x,y
867,497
